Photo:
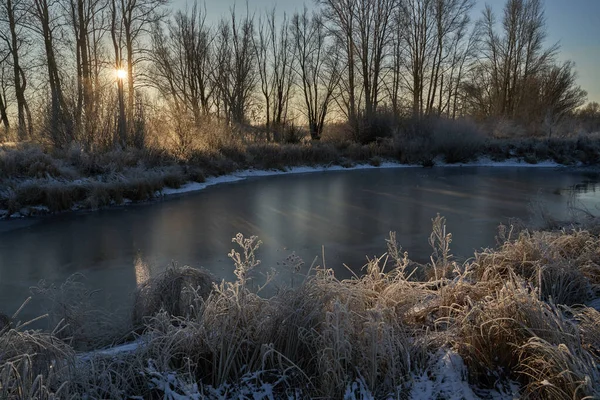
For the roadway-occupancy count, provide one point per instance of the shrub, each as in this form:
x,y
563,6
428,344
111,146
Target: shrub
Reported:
x,y
561,370
173,291
563,265
493,333
78,319
458,141
33,364
292,134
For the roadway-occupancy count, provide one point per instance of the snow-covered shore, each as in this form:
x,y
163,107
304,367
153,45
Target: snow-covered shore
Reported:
x,y
248,173
32,211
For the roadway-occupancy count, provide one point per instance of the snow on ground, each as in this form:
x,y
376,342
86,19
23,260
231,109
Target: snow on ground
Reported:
x,y
248,173
447,379
195,186
594,304
112,351
304,170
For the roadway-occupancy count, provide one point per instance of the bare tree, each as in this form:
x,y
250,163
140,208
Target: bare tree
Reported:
x,y
4,55
262,51
364,27
559,93
235,75
86,18
418,35
282,66
180,70
274,57
131,20
463,57
12,21
45,22
451,18
318,68
516,55
395,75
341,14
116,34
181,61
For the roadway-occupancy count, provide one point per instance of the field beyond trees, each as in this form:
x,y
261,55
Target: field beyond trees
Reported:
x,y
511,321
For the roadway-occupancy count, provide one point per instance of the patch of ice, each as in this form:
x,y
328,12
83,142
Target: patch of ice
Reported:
x,y
112,351
195,186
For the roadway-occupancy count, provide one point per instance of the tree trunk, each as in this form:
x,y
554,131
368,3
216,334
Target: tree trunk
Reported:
x,y
19,85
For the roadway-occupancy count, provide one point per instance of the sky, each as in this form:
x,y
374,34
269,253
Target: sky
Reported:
x,y
574,24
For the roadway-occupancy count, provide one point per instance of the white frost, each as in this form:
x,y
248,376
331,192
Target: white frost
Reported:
x,y
594,304
112,351
243,174
447,379
195,186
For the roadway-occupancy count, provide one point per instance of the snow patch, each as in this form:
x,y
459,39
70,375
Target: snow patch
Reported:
x,y
304,170
447,379
195,186
179,387
112,351
594,304
251,173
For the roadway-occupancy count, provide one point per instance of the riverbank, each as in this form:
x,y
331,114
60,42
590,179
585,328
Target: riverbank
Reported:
x,y
34,182
508,323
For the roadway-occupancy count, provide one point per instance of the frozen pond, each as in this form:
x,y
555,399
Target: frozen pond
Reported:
x,y
348,212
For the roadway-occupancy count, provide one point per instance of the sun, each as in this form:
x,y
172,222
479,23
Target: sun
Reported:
x,y
121,74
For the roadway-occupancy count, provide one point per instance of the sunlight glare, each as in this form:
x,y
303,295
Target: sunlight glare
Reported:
x,y
121,74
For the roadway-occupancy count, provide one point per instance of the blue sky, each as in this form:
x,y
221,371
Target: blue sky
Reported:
x,y
575,24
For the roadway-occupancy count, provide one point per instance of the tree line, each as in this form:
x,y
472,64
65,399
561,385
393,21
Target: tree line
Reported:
x,y
350,60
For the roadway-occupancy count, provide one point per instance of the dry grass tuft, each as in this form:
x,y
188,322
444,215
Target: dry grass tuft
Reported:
x,y
325,338
33,364
513,334
565,266
77,316
588,320
558,370
174,291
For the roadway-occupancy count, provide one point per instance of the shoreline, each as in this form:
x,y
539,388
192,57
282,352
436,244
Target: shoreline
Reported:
x,y
40,210
252,173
